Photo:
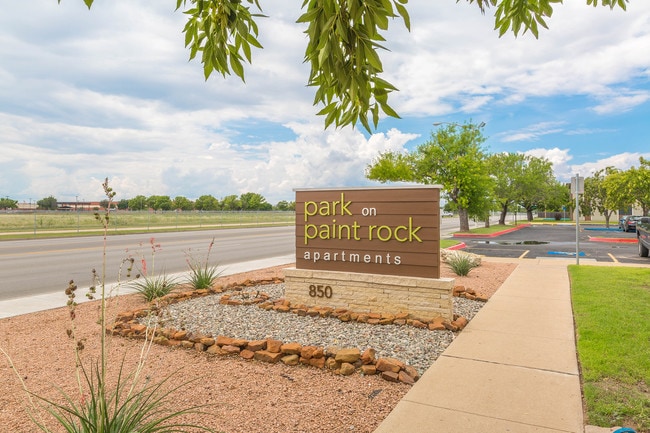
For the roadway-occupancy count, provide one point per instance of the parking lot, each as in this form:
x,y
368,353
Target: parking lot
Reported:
x,y
596,243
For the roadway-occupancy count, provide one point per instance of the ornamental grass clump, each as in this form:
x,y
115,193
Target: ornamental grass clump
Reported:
x,y
461,264
131,403
202,275
149,285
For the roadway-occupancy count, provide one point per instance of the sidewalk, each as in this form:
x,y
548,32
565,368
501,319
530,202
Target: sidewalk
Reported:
x,y
512,369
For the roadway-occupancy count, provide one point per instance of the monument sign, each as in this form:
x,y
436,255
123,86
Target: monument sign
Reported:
x,y
390,231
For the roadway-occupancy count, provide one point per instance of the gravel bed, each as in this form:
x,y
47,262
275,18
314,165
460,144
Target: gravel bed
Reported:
x,y
416,347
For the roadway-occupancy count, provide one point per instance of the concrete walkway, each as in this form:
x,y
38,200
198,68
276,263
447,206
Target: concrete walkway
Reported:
x,y
512,369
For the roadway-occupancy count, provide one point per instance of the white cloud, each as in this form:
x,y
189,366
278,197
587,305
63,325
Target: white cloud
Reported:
x,y
559,158
532,132
564,170
622,161
110,92
621,103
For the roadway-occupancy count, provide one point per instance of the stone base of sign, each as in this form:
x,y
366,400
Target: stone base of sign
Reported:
x,y
424,298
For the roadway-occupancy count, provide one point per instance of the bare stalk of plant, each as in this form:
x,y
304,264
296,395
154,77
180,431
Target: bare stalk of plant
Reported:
x,y
133,404
202,274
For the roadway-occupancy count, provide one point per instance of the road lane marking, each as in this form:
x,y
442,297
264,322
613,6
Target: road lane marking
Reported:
x,y
31,253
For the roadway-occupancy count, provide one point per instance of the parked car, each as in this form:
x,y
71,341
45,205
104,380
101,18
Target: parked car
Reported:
x,y
629,223
447,214
643,236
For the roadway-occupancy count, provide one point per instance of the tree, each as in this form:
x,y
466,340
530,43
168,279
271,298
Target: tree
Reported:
x,y
139,202
231,202
284,205
206,203
526,180
253,201
618,190
595,196
558,197
506,169
159,202
454,158
536,184
639,184
123,204
7,203
343,40
47,203
182,203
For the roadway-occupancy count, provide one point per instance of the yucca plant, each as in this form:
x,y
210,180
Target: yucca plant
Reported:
x,y
154,287
461,264
202,275
147,283
134,404
130,407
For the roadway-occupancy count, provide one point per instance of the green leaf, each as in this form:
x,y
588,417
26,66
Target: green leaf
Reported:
x,y
237,67
389,110
405,15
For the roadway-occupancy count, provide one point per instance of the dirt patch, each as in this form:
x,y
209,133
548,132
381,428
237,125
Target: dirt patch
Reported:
x,y
240,395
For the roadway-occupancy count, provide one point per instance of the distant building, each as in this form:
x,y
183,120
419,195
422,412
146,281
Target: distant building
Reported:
x,y
78,206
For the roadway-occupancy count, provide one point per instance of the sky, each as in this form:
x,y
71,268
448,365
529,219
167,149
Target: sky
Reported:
x,y
110,92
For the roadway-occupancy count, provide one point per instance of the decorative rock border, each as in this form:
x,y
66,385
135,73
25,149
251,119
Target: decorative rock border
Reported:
x,y
343,361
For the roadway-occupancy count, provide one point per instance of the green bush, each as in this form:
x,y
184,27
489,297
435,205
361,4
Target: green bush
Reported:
x,y
202,274
461,264
154,287
203,277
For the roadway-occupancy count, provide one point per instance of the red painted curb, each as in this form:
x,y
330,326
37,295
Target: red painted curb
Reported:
x,y
459,246
619,240
491,235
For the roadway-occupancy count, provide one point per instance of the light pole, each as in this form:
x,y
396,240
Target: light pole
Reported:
x,y
76,208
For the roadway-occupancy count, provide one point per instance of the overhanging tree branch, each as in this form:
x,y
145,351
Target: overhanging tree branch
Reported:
x,y
344,42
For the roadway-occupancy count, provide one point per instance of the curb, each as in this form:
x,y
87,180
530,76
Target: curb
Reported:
x,y
459,246
617,240
491,235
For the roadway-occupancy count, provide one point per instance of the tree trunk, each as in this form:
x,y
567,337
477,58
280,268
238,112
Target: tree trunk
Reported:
x,y
529,214
504,213
487,221
608,215
463,218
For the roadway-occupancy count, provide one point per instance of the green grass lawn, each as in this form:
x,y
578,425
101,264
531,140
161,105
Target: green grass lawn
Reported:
x,y
612,314
55,224
446,243
494,228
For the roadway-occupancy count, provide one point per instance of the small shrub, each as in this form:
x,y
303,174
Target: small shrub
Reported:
x,y
203,277
150,285
134,403
154,287
202,274
461,264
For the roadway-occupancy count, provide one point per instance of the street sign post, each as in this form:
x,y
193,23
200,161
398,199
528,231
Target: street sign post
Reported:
x,y
577,188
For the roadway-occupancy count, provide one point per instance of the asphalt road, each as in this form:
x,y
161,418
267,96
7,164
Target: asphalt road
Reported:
x,y
596,243
38,266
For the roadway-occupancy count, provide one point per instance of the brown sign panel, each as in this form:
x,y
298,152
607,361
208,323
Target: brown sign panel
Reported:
x,y
389,231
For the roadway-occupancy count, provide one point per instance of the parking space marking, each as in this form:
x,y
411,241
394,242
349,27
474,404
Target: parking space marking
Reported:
x,y
612,257
524,254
